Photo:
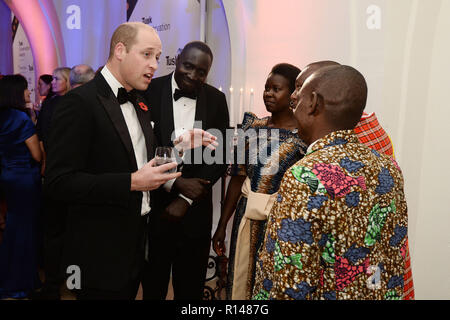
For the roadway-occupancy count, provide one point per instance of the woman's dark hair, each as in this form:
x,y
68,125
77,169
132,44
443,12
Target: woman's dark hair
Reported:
x,y
289,71
48,78
12,89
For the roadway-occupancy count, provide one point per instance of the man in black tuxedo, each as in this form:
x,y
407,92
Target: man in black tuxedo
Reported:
x,y
100,144
54,218
180,225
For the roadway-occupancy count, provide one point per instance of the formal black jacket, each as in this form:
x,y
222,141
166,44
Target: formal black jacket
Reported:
x,y
212,111
89,165
43,123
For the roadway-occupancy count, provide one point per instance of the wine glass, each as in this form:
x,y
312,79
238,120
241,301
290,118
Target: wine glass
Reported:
x,y
165,155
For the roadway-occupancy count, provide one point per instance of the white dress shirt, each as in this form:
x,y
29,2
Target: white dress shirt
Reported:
x,y
183,120
135,130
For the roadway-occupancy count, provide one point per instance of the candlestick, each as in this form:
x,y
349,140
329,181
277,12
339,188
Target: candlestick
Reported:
x,y
250,105
231,108
241,104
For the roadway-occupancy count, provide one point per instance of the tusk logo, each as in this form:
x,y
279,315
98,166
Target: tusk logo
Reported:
x,y
147,20
171,61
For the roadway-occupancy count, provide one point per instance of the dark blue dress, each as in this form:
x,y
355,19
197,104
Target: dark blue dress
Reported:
x,y
21,183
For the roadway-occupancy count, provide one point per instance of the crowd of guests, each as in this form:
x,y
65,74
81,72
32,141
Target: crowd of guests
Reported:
x,y
329,221
24,129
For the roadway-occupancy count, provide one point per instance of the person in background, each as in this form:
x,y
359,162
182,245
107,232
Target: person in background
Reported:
x,y
20,181
181,220
44,89
252,188
55,216
370,133
2,206
80,74
2,213
338,229
60,86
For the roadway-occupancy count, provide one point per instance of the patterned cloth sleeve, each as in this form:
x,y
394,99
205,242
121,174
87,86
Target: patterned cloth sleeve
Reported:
x,y
290,246
338,229
240,169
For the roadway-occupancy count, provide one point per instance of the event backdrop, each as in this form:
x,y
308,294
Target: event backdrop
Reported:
x,y
177,23
79,31
6,66
87,27
55,33
22,56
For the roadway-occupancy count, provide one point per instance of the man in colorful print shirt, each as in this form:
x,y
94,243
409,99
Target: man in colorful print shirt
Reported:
x,y
338,229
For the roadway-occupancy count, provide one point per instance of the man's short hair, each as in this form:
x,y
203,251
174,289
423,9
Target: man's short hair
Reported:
x,y
81,74
346,91
198,45
126,34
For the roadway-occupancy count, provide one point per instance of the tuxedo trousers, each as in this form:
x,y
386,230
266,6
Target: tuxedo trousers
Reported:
x,y
187,257
55,214
129,291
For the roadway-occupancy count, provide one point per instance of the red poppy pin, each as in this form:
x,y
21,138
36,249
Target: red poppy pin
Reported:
x,y
143,106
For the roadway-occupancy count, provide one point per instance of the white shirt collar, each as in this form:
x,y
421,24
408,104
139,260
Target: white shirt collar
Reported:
x,y
111,80
174,84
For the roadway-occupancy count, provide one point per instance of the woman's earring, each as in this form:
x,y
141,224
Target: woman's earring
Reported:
x,y
291,105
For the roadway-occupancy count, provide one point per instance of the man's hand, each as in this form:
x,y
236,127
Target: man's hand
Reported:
x,y
150,177
176,210
195,138
193,188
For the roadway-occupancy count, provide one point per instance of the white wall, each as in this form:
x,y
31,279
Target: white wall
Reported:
x,y
406,65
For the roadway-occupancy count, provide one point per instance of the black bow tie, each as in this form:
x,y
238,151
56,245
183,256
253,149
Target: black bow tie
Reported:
x,y
179,93
123,96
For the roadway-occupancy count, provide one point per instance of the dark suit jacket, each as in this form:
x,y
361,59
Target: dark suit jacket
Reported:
x,y
89,166
212,110
44,120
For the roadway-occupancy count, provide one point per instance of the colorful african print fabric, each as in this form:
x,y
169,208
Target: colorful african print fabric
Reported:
x,y
371,134
265,165
266,162
338,229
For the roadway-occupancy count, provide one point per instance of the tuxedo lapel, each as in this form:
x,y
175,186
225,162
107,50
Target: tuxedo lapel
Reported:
x,y
112,107
143,115
166,113
201,108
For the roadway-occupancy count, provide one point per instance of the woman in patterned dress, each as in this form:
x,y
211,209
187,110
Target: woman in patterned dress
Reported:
x,y
272,147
